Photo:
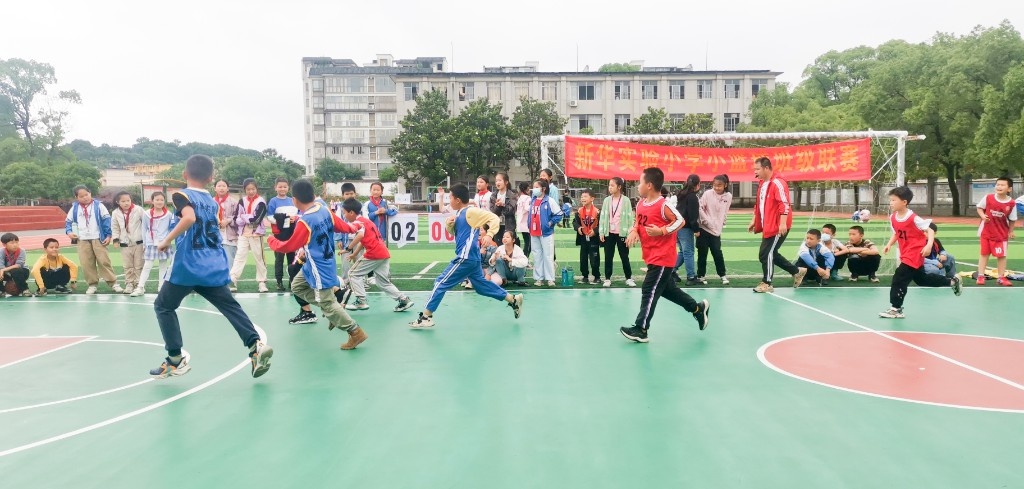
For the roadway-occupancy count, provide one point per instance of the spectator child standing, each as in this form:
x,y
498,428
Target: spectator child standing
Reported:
x,y
688,205
226,219
714,208
88,225
998,212
126,231
503,203
522,215
280,200
586,225
378,210
915,238
252,210
156,225
545,214
615,221
53,271
13,274
482,199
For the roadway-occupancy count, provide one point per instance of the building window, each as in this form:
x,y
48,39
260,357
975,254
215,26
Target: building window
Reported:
x,y
467,92
585,90
318,102
704,89
621,122
732,89
494,91
622,90
732,120
676,90
756,85
522,90
677,118
318,136
549,90
387,120
412,90
579,122
335,150
318,119
650,90
318,85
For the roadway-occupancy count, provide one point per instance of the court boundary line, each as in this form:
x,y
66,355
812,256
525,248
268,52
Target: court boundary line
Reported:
x,y
47,352
764,360
142,410
905,343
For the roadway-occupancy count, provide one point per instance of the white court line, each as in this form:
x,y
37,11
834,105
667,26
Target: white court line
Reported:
x,y
37,355
906,343
425,269
143,410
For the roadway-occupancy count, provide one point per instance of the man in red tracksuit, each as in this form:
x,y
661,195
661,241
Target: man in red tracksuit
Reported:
x,y
772,218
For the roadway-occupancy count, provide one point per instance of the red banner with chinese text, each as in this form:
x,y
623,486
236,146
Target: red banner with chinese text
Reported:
x,y
590,158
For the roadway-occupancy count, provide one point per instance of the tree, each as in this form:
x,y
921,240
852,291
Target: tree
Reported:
x,y
531,120
7,127
235,169
388,174
835,74
482,139
657,121
779,110
333,171
22,181
21,83
618,68
999,143
65,176
424,149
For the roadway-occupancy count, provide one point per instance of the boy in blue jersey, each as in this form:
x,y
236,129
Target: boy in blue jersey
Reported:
x,y
200,265
281,200
312,239
467,224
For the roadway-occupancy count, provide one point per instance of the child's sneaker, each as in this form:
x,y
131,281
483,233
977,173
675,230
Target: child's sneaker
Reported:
x,y
232,288
630,282
423,321
91,290
956,284
358,305
873,279
764,287
263,287
60,289
355,336
404,304
280,286
539,283
139,291
370,282
701,314
607,283
551,283
27,293
1005,282
892,313
981,279
171,369
260,354
853,278
41,293
725,280
517,305
117,288
634,333
798,277
304,317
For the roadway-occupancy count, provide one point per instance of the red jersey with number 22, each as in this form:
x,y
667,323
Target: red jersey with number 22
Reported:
x,y
657,250
911,237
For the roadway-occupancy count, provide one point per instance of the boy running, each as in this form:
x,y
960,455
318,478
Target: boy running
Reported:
x,y
466,224
998,212
375,258
200,265
655,229
915,239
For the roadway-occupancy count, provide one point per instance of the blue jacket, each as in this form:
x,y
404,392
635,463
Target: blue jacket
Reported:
x,y
104,220
379,221
809,258
548,219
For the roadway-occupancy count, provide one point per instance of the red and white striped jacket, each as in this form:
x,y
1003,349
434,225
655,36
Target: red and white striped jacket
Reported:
x,y
772,202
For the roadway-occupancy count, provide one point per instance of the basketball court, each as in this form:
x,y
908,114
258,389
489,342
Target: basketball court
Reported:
x,y
801,388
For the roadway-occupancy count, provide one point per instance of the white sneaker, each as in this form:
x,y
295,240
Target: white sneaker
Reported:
x,y
725,280
139,291
371,281
232,287
91,290
117,289
607,283
630,282
263,287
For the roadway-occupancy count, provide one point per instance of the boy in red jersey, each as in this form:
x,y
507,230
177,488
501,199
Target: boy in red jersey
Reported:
x,y
998,212
915,238
375,258
655,229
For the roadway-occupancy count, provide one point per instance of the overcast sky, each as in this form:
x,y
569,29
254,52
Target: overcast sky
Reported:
x,y
229,71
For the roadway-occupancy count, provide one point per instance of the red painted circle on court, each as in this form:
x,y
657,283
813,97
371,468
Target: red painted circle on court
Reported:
x,y
973,372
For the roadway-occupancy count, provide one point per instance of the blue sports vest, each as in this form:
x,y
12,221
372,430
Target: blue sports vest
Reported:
x,y
199,258
321,268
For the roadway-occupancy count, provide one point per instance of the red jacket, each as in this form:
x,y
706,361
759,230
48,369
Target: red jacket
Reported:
x,y
772,201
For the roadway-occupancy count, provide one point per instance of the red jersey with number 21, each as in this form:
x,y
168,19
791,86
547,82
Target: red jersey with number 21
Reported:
x,y
657,250
911,236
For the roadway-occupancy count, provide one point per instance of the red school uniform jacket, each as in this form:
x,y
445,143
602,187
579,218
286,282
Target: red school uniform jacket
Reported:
x,y
772,202
372,241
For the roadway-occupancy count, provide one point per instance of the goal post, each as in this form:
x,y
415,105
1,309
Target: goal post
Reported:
x,y
901,138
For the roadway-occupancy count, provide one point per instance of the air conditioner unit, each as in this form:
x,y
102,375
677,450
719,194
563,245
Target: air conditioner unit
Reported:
x,y
573,103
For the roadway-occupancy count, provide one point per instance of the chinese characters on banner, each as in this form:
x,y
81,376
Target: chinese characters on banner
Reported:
x,y
589,158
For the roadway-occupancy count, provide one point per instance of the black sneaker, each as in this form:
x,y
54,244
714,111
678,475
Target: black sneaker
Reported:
x,y
304,317
676,277
280,286
690,282
701,314
404,305
342,295
60,289
634,333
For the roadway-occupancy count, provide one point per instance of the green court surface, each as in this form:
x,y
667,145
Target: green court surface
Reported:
x,y
415,266
555,399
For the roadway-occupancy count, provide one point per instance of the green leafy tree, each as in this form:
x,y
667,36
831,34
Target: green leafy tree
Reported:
x,y
334,171
617,68
24,83
999,143
63,177
22,181
482,141
835,74
531,120
658,121
424,149
388,174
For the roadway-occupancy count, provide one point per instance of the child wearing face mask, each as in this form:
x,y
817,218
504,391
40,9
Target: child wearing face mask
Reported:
x,y
839,251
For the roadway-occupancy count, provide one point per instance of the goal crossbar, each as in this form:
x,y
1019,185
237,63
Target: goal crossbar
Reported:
x,y
901,138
